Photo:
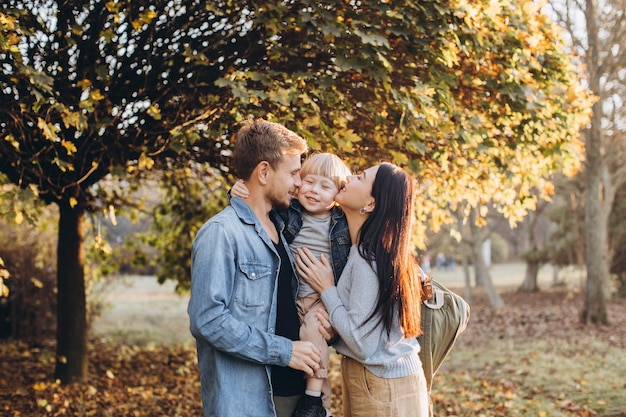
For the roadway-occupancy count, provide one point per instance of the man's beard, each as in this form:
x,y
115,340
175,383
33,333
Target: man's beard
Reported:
x,y
279,203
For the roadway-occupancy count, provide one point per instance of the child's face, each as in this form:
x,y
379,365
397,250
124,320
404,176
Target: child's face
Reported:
x,y
317,194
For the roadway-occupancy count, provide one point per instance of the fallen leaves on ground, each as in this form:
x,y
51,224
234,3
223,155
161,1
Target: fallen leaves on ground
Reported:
x,y
163,381
124,381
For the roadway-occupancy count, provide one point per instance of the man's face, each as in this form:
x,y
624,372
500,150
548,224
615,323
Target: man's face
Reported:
x,y
284,181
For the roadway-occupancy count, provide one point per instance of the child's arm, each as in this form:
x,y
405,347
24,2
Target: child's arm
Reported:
x,y
240,190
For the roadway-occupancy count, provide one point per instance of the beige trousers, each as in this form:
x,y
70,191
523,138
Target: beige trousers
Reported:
x,y
367,395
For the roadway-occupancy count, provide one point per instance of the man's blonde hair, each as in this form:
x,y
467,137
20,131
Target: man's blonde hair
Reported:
x,y
259,140
326,165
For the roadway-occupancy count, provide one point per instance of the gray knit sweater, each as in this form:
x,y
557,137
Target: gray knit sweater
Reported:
x,y
349,304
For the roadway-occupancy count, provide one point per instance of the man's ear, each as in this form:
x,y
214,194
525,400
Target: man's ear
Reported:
x,y
262,171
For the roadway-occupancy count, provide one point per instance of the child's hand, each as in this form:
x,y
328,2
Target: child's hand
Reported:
x,y
240,190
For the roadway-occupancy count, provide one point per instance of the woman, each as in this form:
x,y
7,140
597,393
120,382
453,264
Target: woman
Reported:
x,y
375,307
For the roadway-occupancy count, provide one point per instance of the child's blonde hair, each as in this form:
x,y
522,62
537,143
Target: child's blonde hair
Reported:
x,y
326,165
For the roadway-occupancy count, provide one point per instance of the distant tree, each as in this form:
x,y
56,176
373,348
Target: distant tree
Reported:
x,y
537,254
475,239
618,241
479,99
596,31
566,243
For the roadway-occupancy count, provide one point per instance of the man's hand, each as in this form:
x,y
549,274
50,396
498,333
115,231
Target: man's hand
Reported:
x,y
305,356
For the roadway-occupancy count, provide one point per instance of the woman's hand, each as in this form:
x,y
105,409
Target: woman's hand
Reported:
x,y
240,190
316,272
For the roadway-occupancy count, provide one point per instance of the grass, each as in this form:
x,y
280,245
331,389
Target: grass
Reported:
x,y
528,359
536,377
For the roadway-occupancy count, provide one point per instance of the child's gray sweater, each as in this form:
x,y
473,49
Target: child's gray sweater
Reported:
x,y
350,304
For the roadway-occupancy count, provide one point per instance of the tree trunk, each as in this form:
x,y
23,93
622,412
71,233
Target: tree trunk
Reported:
x,y
532,255
621,289
466,273
464,260
530,281
595,309
71,365
481,269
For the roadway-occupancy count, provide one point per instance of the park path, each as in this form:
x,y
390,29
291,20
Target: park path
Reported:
x,y
503,275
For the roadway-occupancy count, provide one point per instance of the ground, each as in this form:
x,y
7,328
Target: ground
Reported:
x,y
530,358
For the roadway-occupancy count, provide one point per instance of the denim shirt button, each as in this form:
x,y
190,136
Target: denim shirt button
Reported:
x,y
253,275
271,330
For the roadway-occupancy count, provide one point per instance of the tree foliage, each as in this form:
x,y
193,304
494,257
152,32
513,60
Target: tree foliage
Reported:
x,y
481,100
193,195
476,95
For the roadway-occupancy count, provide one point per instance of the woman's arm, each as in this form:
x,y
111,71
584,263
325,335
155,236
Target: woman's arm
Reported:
x,y
350,317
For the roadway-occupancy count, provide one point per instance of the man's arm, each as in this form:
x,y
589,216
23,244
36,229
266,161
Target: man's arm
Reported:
x,y
214,271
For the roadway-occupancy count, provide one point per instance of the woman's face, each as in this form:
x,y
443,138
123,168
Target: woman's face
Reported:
x,y
357,193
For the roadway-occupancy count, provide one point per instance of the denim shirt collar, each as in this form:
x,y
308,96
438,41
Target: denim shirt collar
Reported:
x,y
245,213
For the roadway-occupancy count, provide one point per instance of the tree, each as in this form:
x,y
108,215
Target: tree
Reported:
x,y
478,99
537,254
566,242
90,91
618,241
596,31
477,237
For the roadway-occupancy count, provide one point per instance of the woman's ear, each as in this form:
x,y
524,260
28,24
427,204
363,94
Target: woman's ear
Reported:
x,y
369,207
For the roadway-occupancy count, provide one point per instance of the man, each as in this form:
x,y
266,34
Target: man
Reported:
x,y
242,307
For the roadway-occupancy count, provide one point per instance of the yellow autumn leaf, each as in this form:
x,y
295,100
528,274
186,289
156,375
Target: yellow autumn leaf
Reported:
x,y
154,111
48,129
147,16
39,386
96,95
36,283
84,84
69,147
145,162
137,24
19,217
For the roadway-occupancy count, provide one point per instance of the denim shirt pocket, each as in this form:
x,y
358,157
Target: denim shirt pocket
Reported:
x,y
255,287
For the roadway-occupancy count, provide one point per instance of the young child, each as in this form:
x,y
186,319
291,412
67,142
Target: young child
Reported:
x,y
315,222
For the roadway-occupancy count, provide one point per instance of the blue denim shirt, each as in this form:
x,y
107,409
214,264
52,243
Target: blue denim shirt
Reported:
x,y
232,312
338,235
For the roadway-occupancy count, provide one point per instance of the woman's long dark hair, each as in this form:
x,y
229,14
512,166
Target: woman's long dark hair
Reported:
x,y
385,238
